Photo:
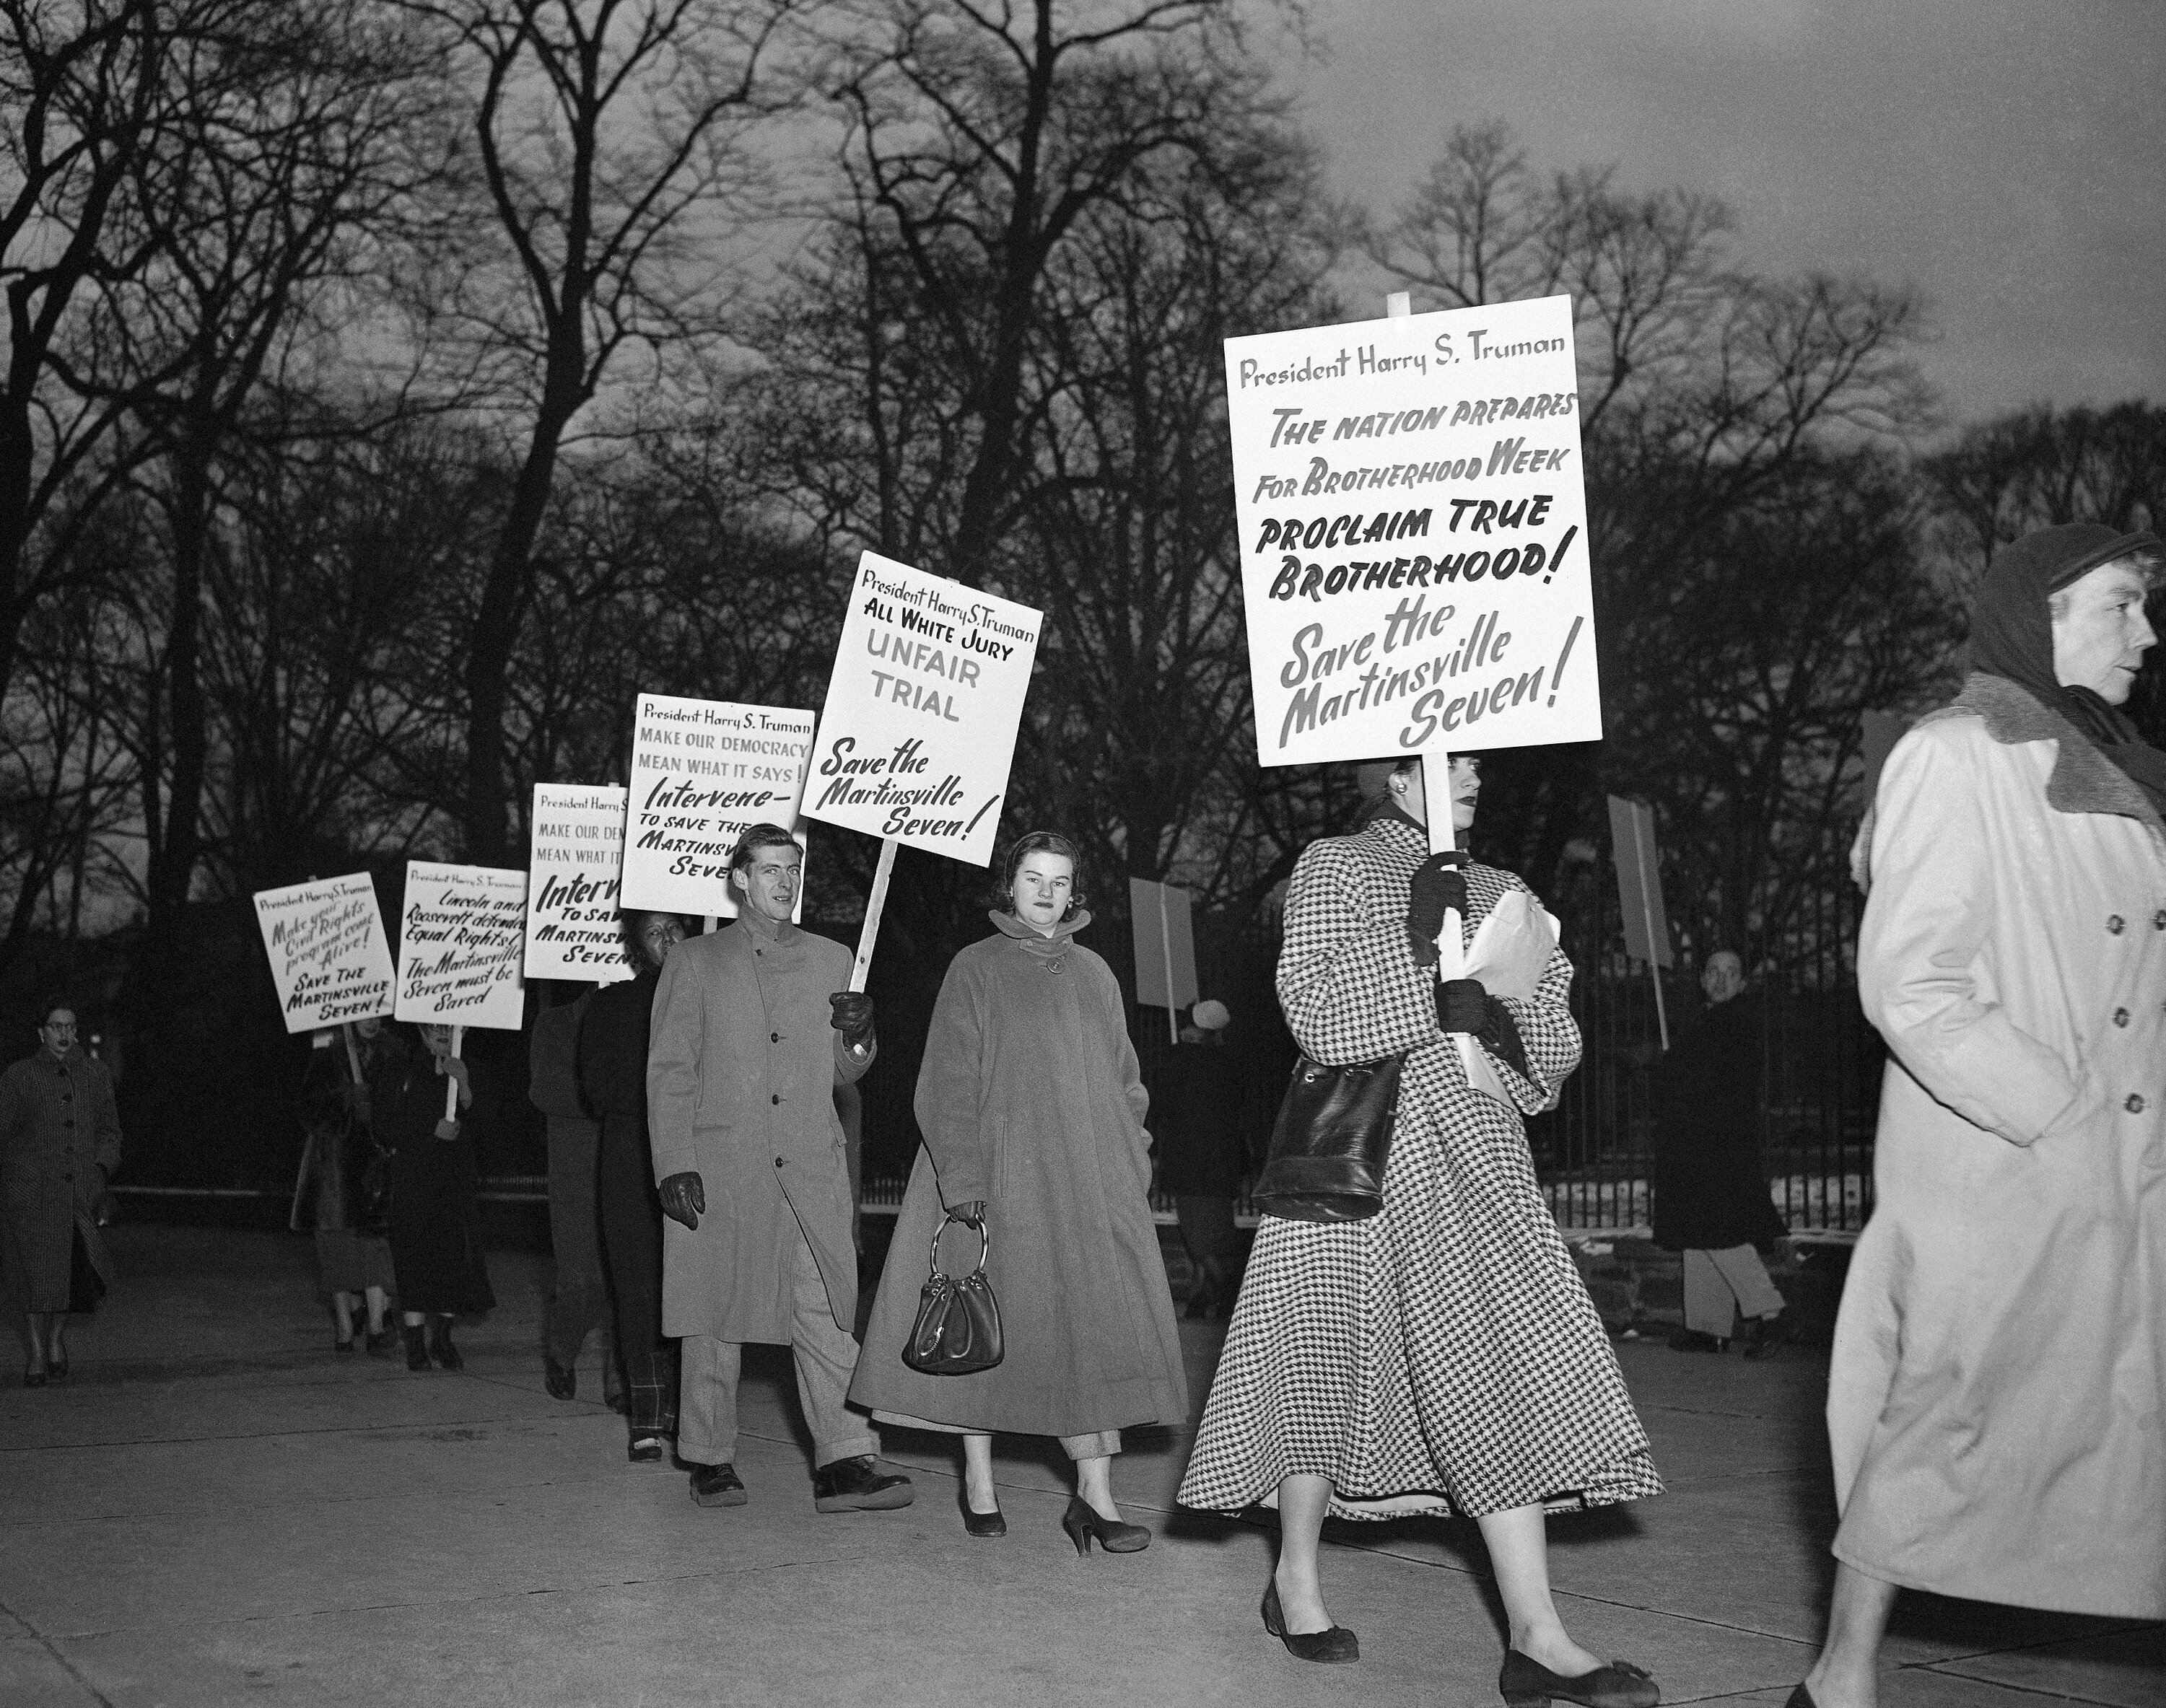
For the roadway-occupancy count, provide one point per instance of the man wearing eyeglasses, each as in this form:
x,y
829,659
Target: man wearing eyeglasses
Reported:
x,y
60,1143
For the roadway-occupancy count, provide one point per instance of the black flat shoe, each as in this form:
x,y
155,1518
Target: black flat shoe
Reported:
x,y
417,1347
1085,1526
33,1378
1526,1683
1336,1644
991,1523
1801,1698
57,1368
382,1340
562,1381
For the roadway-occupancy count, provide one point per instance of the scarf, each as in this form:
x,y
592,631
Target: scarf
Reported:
x,y
2011,635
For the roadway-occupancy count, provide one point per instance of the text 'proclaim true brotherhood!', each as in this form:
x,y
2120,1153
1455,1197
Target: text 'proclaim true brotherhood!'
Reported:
x,y
1413,533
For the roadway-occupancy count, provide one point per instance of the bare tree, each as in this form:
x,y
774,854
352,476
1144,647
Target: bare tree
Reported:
x,y
614,156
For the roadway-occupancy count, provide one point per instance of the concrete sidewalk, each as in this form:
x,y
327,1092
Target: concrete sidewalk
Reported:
x,y
214,1509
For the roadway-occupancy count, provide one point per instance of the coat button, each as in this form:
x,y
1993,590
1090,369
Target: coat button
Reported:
x,y
2120,1016
2135,1103
778,1162
777,1098
2116,924
2159,920
774,1038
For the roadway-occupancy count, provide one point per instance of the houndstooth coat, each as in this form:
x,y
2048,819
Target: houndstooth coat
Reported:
x,y
1442,1354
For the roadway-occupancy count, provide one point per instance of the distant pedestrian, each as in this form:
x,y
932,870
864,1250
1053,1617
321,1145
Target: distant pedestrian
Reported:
x,y
1202,1152
752,1030
1711,1200
60,1143
1033,1111
1442,1355
612,1072
343,1192
435,1194
1999,1365
578,1288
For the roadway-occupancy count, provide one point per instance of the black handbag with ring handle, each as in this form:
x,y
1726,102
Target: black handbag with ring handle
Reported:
x,y
958,1330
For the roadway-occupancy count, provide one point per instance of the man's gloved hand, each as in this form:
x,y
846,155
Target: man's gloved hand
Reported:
x,y
974,1211
1438,884
685,1199
1462,1005
852,1017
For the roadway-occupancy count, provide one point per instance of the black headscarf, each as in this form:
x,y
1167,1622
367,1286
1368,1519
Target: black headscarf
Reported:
x,y
2011,635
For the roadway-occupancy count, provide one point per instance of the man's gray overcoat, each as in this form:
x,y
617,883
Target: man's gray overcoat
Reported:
x,y
741,1067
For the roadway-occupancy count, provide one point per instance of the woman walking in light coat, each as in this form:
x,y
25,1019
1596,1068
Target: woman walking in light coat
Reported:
x,y
1032,1114
1999,1373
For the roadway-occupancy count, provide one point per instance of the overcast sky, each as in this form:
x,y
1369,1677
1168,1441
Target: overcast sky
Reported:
x,y
2007,157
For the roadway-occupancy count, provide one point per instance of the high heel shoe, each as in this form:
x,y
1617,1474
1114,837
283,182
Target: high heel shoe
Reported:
x,y
1801,1698
1085,1526
417,1347
1528,1684
33,1378
993,1523
57,1364
1336,1644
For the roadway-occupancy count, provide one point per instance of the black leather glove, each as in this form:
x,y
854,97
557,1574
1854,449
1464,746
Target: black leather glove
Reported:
x,y
1462,1005
973,1212
1438,884
685,1199
852,1017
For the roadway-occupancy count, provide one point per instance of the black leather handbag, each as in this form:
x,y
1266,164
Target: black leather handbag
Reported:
x,y
1333,1139
958,1330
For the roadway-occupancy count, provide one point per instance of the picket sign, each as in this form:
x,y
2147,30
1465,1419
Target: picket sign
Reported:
x,y
1436,792
450,1084
1639,895
945,668
1165,952
875,905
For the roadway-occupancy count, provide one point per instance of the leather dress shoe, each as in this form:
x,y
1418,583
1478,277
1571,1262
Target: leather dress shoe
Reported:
x,y
1085,1526
1801,1698
993,1523
562,1380
33,1378
860,1486
1527,1683
717,1485
646,1450
382,1340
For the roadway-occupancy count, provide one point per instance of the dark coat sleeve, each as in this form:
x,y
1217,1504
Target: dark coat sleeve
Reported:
x,y
612,1048
950,1090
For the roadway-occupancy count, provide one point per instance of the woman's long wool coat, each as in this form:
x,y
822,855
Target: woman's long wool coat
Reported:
x,y
1029,1100
59,1126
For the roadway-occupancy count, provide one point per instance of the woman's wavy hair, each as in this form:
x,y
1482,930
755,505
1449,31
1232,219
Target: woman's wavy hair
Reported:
x,y
1041,842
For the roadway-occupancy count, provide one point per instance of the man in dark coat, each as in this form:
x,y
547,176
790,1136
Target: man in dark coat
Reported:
x,y
60,1143
752,1030
1710,1175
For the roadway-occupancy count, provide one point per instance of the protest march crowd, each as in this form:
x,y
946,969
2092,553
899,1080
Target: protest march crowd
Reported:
x,y
1410,1335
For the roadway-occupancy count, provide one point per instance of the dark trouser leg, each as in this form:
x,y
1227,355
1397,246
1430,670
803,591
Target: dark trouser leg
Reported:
x,y
580,1297
632,1252
1208,1231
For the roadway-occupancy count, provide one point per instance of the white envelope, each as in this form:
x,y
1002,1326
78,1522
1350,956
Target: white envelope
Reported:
x,y
1510,952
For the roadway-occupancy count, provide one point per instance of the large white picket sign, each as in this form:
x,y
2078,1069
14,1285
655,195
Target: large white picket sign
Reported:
x,y
704,772
920,724
573,882
460,930
1413,533
330,959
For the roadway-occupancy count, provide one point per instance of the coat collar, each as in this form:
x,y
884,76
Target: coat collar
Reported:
x,y
777,931
2083,780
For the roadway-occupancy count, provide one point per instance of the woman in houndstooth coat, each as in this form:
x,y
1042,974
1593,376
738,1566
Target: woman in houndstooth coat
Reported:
x,y
1442,1356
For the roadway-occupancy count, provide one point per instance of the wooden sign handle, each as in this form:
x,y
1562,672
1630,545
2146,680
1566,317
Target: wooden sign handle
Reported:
x,y
875,905
1442,838
450,1084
